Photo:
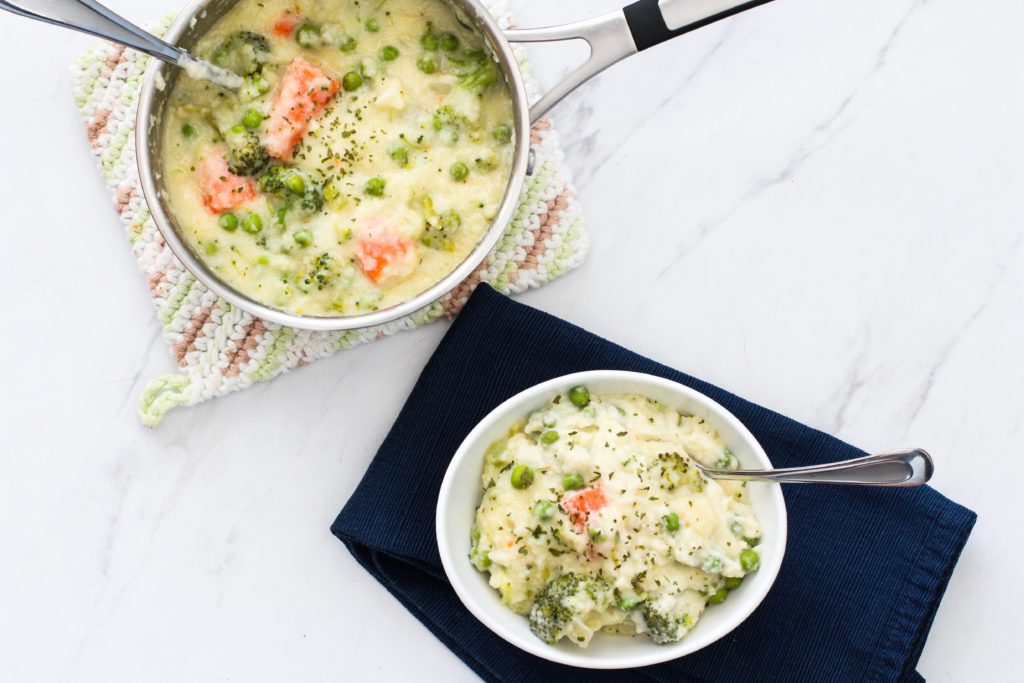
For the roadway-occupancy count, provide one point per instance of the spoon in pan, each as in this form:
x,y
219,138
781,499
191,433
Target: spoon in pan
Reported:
x,y
93,18
911,467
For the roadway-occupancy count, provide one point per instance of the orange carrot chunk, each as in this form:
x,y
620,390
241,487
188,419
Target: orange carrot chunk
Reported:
x,y
385,256
579,504
285,24
302,95
223,190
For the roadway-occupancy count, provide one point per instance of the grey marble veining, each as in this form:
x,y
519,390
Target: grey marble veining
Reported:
x,y
815,205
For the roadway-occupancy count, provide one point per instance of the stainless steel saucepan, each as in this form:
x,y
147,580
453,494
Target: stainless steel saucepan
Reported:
x,y
611,37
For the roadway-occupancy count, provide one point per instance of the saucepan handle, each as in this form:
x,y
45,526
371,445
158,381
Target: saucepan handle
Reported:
x,y
619,34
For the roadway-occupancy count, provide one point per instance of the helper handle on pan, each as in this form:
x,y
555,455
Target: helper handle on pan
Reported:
x,y
619,34
902,468
88,16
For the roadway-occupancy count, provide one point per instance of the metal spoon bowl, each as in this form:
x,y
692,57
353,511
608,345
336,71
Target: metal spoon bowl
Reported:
x,y
911,467
93,18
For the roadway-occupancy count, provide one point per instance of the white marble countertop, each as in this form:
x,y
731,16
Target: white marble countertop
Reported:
x,y
817,205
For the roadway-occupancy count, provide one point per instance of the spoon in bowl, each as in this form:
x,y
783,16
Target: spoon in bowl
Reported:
x,y
911,467
93,18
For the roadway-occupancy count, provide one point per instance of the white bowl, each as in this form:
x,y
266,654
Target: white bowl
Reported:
x,y
460,495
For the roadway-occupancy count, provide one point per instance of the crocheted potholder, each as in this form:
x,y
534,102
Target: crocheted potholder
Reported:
x,y
220,348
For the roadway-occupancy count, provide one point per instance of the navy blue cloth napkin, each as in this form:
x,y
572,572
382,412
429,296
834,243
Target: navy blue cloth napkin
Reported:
x,y
864,568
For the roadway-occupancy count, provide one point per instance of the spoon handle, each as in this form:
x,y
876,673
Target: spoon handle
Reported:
x,y
93,18
911,467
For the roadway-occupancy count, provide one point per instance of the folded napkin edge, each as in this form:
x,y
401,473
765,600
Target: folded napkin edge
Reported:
x,y
928,574
941,525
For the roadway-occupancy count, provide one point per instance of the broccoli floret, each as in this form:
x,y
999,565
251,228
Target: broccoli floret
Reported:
x,y
663,626
244,52
248,157
564,602
480,558
317,273
292,185
447,124
272,182
440,230
476,70
674,470
312,199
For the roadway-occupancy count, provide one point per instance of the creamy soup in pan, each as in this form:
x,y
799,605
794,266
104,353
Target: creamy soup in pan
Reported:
x,y
363,160
594,517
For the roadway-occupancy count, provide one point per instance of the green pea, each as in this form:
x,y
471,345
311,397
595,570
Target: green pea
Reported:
x,y
389,53
303,237
375,186
228,221
252,223
474,535
237,128
399,153
718,596
428,41
295,183
348,44
449,43
596,535
671,522
426,64
351,81
252,118
503,134
458,171
580,396
522,477
372,26
571,482
543,510
188,130
750,560
751,541
549,437
307,35
733,582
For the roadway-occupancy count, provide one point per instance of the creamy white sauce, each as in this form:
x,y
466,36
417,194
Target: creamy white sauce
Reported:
x,y
322,262
661,536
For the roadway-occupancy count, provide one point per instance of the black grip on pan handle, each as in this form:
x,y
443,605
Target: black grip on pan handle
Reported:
x,y
649,28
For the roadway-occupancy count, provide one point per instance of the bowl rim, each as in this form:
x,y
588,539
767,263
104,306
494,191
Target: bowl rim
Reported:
x,y
149,168
657,653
